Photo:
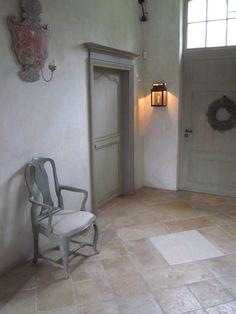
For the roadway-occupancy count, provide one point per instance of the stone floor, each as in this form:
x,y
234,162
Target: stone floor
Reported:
x,y
130,276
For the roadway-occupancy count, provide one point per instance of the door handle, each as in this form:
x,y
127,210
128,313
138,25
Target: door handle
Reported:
x,y
188,131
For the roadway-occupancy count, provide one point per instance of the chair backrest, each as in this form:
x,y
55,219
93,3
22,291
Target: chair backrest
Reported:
x,y
37,182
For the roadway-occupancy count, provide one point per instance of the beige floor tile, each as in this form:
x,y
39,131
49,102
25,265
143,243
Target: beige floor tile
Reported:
x,y
118,266
230,230
188,224
134,302
147,308
148,261
146,219
174,276
104,223
219,238
90,292
87,270
128,285
124,221
224,266
22,302
141,246
22,277
107,307
112,250
228,308
55,295
144,255
108,236
197,312
141,232
221,219
210,292
177,300
229,283
65,310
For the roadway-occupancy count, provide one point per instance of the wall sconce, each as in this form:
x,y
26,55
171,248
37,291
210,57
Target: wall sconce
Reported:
x,y
143,18
30,41
52,67
159,95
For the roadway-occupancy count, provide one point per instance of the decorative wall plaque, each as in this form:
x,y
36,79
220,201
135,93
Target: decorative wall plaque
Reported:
x,y
213,110
29,40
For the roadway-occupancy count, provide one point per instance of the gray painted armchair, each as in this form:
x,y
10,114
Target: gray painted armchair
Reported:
x,y
55,222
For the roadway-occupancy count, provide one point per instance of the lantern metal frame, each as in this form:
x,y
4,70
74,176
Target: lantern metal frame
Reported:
x,y
160,88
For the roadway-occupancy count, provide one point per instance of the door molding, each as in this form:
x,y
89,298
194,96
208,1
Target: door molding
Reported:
x,y
110,58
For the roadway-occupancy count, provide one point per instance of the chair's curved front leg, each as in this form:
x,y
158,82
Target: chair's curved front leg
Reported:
x,y
64,247
36,244
95,238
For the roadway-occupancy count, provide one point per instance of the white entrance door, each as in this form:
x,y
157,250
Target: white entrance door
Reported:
x,y
105,116
208,162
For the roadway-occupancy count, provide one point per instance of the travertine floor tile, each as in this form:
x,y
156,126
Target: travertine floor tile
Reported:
x,y
141,232
90,292
231,230
106,307
147,308
229,283
197,312
229,308
221,219
65,310
222,266
188,224
219,238
118,266
177,300
128,285
144,255
175,276
210,293
87,270
22,302
111,250
134,303
55,295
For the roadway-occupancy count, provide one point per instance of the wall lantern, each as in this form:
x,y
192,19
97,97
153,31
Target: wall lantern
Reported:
x,y
30,41
159,95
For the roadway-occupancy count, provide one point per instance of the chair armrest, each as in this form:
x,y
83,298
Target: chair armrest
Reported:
x,y
73,189
44,206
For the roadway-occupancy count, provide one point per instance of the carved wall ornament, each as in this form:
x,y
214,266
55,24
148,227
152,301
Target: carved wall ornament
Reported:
x,y
225,124
29,40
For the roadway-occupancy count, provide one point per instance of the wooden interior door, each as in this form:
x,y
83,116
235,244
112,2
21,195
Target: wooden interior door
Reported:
x,y
106,146
208,159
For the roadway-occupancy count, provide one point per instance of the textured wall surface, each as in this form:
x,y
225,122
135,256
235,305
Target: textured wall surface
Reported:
x,y
41,119
163,46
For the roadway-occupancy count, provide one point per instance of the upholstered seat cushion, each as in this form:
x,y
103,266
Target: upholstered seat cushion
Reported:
x,y
70,222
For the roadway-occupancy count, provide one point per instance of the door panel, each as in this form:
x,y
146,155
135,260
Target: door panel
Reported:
x,y
106,134
208,161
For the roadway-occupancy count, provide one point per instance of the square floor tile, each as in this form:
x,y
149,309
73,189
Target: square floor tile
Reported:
x,y
184,247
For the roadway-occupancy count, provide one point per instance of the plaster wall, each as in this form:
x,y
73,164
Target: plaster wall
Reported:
x,y
163,45
51,119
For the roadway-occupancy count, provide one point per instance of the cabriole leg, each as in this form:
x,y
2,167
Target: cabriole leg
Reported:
x,y
36,246
95,238
64,247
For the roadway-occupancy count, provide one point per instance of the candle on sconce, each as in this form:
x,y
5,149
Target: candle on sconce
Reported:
x,y
52,65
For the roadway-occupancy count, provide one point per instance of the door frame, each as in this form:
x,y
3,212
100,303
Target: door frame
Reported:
x,y
110,58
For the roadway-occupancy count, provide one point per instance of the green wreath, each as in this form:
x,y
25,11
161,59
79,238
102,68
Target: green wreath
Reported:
x,y
229,106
